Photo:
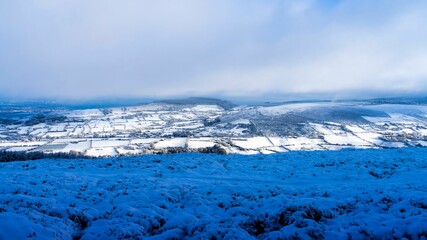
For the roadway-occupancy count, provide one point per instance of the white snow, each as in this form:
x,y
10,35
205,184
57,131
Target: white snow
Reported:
x,y
196,143
394,118
370,137
19,149
286,108
101,152
348,194
109,143
393,144
345,140
422,143
241,121
144,141
55,134
77,147
18,144
355,128
173,142
252,143
85,113
206,108
298,143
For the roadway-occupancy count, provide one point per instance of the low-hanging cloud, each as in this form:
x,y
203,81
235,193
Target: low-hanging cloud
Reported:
x,y
89,49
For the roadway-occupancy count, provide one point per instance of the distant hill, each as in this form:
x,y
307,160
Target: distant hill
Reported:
x,y
413,101
199,100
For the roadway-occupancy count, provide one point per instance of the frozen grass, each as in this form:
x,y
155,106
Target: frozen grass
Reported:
x,y
358,194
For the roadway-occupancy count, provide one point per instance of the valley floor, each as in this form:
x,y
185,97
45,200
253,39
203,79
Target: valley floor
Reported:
x,y
347,194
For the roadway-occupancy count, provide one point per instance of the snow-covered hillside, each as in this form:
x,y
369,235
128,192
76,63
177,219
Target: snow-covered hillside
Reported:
x,y
347,194
164,127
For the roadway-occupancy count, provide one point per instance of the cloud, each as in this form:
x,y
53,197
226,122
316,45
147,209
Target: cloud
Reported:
x,y
89,49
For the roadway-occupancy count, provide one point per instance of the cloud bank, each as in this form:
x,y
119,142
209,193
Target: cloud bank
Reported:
x,y
88,49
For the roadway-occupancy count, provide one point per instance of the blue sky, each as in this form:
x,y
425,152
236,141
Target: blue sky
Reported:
x,y
253,49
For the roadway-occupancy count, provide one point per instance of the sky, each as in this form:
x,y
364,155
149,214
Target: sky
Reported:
x,y
84,49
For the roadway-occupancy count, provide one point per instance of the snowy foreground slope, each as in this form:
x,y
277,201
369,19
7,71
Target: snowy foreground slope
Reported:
x,y
347,194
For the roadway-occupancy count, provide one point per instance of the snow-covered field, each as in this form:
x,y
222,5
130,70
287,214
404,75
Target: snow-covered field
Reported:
x,y
162,127
347,194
